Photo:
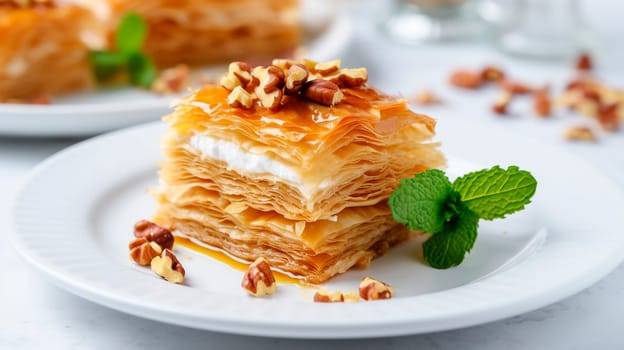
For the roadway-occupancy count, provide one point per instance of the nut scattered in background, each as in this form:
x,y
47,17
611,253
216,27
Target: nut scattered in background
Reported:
x,y
466,79
492,73
584,62
542,104
515,87
426,98
501,103
172,80
579,133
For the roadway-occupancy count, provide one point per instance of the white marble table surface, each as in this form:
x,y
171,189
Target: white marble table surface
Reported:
x,y
35,314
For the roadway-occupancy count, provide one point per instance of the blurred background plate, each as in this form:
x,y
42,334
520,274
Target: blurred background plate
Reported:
x,y
326,36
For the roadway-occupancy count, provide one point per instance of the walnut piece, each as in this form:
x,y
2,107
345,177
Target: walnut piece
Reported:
x,y
154,233
501,103
240,98
514,87
466,79
270,83
372,289
323,295
608,117
172,80
426,98
168,267
323,92
296,76
492,73
259,280
326,68
349,77
319,82
542,104
143,251
579,133
239,74
584,62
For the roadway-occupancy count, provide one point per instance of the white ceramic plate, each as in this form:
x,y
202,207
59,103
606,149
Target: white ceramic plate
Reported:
x,y
74,218
107,109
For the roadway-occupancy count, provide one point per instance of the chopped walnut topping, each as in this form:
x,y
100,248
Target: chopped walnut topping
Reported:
x,y
317,82
296,76
326,68
240,98
269,90
349,77
239,74
322,91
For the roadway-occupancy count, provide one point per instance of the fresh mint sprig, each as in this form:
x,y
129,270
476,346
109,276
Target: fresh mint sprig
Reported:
x,y
450,212
129,39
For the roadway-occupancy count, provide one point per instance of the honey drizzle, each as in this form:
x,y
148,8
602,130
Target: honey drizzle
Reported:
x,y
228,260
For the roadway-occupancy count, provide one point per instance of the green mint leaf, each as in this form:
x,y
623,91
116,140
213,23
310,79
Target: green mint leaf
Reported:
x,y
141,70
106,64
448,248
496,192
421,202
131,34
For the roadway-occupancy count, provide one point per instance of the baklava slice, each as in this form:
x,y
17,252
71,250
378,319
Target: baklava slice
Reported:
x,y
293,162
43,51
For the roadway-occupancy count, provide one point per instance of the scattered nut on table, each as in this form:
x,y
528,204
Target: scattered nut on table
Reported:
x,y
259,280
542,103
579,133
501,103
466,79
168,267
143,251
154,233
515,87
372,289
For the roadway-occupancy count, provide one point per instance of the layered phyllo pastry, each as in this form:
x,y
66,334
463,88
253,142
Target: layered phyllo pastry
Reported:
x,y
293,162
199,32
42,49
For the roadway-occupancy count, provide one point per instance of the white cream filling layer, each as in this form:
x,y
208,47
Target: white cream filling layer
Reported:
x,y
245,162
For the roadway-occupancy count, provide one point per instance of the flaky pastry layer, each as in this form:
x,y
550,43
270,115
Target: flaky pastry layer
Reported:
x,y
352,154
